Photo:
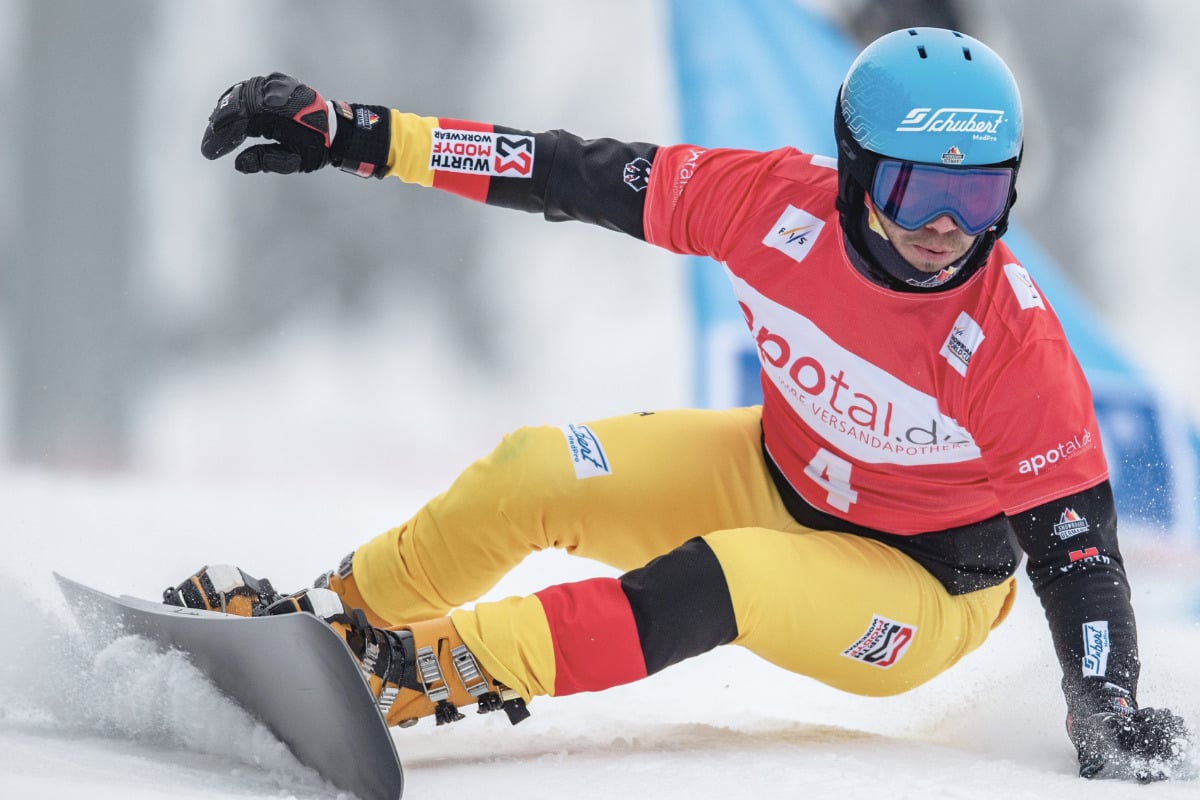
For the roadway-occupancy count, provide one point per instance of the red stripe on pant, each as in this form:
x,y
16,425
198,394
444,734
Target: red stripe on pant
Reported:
x,y
596,642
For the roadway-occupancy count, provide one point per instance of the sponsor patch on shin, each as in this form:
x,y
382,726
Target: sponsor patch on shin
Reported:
x,y
586,452
883,644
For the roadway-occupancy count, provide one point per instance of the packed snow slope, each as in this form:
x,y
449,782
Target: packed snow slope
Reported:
x,y
128,722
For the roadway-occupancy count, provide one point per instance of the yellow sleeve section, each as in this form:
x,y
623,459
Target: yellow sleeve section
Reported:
x,y
412,141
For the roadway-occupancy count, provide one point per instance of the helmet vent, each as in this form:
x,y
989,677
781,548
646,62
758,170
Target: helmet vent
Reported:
x,y
967,53
921,51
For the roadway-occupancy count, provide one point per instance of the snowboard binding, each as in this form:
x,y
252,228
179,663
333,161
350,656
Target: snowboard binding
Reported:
x,y
223,588
419,670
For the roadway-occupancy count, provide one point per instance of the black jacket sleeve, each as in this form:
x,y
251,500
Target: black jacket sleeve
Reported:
x,y
1076,569
600,181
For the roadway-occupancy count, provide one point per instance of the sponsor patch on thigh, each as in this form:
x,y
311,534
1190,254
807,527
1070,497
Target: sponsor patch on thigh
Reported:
x,y
586,452
883,644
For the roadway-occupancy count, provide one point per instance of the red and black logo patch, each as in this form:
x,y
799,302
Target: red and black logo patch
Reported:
x,y
883,644
514,156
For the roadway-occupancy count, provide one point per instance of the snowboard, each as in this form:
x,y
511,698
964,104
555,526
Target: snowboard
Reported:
x,y
292,672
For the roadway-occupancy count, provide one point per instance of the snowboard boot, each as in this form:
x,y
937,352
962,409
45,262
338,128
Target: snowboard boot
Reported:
x,y
414,671
223,588
341,580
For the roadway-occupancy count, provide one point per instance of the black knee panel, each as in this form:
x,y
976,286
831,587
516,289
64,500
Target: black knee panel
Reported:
x,y
681,605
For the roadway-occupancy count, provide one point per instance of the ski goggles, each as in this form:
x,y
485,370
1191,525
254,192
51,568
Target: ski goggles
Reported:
x,y
913,195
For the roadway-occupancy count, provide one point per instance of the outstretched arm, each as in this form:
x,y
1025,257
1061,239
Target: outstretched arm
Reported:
x,y
555,173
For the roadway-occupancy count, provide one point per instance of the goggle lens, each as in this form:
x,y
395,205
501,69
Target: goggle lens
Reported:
x,y
913,195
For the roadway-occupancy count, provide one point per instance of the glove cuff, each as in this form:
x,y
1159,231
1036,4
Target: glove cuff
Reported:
x,y
363,139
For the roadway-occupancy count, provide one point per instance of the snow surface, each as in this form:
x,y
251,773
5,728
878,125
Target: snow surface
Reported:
x,y
127,722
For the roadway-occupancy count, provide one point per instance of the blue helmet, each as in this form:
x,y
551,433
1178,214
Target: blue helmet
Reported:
x,y
928,96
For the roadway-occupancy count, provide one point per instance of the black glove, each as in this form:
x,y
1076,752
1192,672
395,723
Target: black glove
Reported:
x,y
308,132
1115,739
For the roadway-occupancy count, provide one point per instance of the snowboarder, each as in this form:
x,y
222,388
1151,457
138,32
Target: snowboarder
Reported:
x,y
924,422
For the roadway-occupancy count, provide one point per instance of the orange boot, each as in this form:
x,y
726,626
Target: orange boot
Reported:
x,y
223,588
414,671
341,580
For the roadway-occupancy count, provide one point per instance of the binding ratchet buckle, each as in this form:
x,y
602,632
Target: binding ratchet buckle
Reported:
x,y
467,671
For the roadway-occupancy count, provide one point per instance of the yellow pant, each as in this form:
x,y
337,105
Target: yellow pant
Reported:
x,y
847,611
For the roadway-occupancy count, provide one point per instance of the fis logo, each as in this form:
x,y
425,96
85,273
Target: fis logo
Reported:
x,y
883,644
1026,293
794,233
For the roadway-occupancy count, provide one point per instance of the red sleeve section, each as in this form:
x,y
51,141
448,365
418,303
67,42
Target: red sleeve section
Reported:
x,y
696,197
596,642
1041,446
469,185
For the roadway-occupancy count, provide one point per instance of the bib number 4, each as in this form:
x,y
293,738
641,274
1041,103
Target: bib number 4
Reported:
x,y
832,473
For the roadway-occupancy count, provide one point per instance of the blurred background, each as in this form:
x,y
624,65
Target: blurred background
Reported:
x,y
161,315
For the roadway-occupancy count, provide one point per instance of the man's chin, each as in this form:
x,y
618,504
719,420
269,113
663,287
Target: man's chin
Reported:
x,y
931,267
926,261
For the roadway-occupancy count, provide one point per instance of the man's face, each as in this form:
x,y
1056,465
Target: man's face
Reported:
x,y
932,247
